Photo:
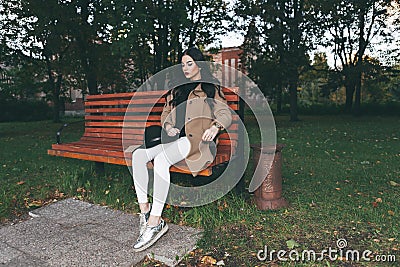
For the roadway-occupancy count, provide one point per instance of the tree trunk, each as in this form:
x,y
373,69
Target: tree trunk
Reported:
x,y
350,88
56,103
279,97
60,105
360,54
293,97
88,50
89,63
357,100
55,93
91,78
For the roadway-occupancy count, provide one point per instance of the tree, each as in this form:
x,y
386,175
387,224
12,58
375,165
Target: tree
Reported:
x,y
314,81
46,39
113,43
287,28
352,26
155,32
205,21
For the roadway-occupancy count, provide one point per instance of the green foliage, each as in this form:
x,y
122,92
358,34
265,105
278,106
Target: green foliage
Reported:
x,y
320,109
23,110
114,45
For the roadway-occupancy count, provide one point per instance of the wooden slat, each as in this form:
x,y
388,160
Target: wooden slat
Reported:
x,y
233,90
99,140
125,102
126,95
74,155
127,161
107,103
115,136
107,141
116,130
120,124
105,110
122,118
92,144
108,96
89,150
104,135
138,102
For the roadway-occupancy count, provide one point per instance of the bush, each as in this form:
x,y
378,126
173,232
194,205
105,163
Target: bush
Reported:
x,y
390,108
24,110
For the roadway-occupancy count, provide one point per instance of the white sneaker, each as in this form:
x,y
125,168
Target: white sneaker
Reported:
x,y
150,235
143,219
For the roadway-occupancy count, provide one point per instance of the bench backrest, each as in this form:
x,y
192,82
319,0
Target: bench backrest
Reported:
x,y
110,116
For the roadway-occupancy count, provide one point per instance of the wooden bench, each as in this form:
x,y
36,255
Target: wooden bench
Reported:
x,y
105,126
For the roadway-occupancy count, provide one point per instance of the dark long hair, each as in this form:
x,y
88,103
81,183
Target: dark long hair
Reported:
x,y
209,84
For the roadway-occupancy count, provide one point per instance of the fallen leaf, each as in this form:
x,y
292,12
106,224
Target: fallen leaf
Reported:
x,y
378,200
220,263
208,260
391,213
81,190
35,203
393,183
291,244
374,204
20,182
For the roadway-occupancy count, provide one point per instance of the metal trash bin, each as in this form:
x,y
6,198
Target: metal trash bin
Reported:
x,y
268,196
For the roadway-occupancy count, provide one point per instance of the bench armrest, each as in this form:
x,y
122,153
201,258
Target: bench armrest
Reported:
x,y
58,134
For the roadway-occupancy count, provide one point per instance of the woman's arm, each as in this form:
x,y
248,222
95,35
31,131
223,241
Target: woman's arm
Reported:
x,y
166,118
222,113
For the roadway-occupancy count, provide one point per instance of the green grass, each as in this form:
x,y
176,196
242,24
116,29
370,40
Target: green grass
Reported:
x,y
338,174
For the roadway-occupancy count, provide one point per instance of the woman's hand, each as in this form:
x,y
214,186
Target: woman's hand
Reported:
x,y
171,131
210,133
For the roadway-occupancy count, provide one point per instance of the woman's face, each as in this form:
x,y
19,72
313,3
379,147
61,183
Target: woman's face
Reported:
x,y
190,68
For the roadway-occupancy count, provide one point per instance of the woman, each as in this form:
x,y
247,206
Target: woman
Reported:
x,y
195,112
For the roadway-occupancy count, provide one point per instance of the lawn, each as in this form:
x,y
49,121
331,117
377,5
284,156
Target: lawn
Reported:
x,y
341,176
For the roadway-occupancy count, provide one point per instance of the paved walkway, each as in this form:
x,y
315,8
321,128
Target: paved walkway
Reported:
x,y
75,233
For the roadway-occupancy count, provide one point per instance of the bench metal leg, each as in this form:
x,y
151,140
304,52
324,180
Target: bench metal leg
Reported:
x,y
240,187
99,168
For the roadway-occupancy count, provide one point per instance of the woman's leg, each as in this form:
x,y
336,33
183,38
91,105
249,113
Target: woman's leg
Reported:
x,y
171,154
140,174
156,227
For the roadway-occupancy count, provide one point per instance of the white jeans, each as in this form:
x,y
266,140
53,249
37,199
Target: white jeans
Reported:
x,y
164,156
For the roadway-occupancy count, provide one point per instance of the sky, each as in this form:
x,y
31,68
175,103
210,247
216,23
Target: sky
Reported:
x,y
232,39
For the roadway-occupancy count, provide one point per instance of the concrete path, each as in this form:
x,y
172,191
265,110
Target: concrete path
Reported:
x,y
75,233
